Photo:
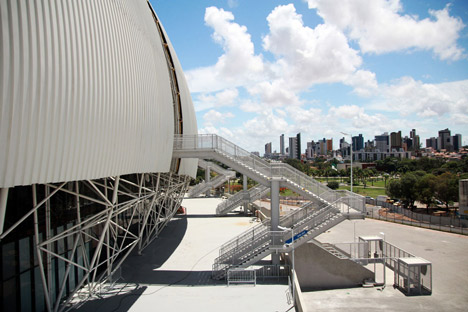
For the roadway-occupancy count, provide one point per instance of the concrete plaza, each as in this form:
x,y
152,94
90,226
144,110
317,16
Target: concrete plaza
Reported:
x,y
174,273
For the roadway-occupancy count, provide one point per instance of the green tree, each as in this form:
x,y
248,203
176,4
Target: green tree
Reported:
x,y
333,185
405,189
426,189
446,188
342,173
393,188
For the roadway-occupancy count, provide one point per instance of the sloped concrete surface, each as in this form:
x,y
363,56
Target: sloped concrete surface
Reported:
x,y
174,272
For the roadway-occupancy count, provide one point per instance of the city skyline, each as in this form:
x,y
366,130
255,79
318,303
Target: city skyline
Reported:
x,y
362,141
257,69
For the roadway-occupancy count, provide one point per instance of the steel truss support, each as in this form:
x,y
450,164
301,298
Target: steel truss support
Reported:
x,y
127,212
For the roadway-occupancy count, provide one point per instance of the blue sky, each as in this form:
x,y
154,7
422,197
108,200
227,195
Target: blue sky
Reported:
x,y
257,69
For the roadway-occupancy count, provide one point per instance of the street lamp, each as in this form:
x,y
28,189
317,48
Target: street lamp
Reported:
x,y
351,159
384,260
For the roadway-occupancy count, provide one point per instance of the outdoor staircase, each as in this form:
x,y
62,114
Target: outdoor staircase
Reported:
x,y
222,177
241,197
258,242
211,146
326,208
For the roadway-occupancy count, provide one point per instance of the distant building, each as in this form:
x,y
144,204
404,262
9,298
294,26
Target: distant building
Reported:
x,y
382,143
282,144
369,145
293,147
299,149
444,140
267,150
395,140
457,142
358,142
345,148
329,146
416,144
432,143
309,150
364,156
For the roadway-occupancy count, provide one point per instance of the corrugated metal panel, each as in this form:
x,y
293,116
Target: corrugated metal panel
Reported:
x,y
84,91
188,166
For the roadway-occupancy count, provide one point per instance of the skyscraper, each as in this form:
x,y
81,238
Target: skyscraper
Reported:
x,y
267,150
444,139
282,144
358,142
382,142
457,141
293,147
395,140
432,142
298,147
415,140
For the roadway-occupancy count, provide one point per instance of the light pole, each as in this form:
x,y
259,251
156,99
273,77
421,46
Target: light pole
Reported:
x,y
351,159
384,260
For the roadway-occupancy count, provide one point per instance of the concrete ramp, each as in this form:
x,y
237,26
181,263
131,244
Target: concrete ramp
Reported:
x,y
317,269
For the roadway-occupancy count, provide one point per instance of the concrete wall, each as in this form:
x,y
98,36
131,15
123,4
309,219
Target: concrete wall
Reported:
x,y
317,269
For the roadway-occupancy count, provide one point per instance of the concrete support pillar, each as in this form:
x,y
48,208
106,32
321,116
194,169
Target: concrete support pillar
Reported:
x,y
207,180
246,203
275,215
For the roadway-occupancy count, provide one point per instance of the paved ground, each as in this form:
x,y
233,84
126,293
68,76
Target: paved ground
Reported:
x,y
447,252
174,272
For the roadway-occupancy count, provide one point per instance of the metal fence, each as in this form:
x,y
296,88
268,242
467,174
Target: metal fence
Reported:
x,y
241,276
251,274
405,216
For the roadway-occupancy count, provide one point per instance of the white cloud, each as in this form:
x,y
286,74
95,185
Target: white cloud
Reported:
x,y
274,94
364,83
409,96
215,117
221,131
307,56
226,97
237,66
379,26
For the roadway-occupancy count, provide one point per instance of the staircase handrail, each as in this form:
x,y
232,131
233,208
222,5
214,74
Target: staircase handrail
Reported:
x,y
236,199
264,225
277,170
239,251
251,235
201,187
217,168
215,142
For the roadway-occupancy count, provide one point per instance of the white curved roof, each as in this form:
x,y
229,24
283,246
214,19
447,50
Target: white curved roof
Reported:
x,y
85,92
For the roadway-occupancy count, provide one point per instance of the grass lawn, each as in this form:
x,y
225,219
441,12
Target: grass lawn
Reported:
x,y
372,192
380,183
289,193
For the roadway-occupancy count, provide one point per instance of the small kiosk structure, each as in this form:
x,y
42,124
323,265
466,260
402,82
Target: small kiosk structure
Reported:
x,y
413,276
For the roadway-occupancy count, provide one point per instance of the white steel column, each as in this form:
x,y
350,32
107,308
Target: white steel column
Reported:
x,y
274,196
244,183
207,180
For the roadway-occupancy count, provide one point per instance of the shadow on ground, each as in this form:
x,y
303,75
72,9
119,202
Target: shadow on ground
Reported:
x,y
118,302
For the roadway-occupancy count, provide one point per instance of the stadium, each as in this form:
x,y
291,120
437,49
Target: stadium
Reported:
x,y
92,97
